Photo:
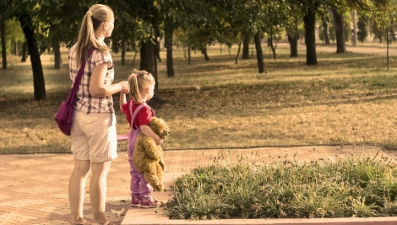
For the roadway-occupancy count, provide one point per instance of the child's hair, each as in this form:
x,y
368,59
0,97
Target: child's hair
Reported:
x,y
92,20
138,81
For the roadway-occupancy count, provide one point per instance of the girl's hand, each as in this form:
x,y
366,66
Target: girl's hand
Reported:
x,y
158,141
124,87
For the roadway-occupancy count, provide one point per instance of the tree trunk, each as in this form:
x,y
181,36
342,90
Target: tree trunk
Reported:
x,y
269,40
310,37
273,47
157,49
16,48
259,53
188,55
293,44
339,32
3,44
123,48
57,55
246,47
354,34
169,30
238,53
326,36
204,51
148,59
38,76
24,52
387,49
133,59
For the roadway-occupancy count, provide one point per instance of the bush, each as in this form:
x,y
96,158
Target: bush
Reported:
x,y
351,187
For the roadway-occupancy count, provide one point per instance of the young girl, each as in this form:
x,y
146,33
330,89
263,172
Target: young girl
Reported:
x,y
138,114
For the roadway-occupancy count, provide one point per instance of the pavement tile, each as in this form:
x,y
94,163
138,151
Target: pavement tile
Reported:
x,y
16,218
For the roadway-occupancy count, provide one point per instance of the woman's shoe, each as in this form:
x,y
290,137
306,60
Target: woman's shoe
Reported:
x,y
106,223
82,222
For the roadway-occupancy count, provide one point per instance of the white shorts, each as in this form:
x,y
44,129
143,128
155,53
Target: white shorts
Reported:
x,y
94,136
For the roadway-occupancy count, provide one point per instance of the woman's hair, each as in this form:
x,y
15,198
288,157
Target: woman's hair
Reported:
x,y
138,81
92,20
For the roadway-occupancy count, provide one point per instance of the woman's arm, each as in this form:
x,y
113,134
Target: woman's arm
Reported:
x,y
146,130
99,89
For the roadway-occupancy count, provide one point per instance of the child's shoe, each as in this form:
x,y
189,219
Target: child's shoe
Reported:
x,y
151,203
135,202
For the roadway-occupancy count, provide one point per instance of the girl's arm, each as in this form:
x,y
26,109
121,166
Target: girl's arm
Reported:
x,y
123,100
146,130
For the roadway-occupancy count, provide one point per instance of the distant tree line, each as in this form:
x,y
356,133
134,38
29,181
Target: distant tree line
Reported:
x,y
32,27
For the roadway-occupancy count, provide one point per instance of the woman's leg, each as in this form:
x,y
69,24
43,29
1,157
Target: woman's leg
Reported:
x,y
77,182
98,190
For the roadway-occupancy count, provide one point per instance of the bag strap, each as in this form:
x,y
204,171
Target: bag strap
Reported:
x,y
136,112
77,80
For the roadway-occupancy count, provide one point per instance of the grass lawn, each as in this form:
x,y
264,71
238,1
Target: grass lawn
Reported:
x,y
346,99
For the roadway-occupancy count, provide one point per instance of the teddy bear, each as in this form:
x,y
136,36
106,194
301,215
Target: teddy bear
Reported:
x,y
148,157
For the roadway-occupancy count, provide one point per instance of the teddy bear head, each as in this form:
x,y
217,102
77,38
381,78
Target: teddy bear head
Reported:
x,y
159,127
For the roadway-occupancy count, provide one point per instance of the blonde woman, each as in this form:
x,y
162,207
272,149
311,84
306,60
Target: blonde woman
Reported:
x,y
93,133
138,114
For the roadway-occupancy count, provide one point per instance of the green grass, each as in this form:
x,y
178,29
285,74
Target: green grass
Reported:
x,y
356,186
346,99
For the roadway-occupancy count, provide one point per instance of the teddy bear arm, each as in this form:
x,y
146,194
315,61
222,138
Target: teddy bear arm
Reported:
x,y
151,149
151,175
162,164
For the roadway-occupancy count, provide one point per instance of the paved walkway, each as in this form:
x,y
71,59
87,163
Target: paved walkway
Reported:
x,y
33,188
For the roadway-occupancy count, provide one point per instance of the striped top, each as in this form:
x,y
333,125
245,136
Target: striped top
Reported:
x,y
85,102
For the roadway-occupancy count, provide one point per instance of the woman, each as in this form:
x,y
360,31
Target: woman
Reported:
x,y
93,133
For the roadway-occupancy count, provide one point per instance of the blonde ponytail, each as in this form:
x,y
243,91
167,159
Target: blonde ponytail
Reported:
x,y
138,81
92,20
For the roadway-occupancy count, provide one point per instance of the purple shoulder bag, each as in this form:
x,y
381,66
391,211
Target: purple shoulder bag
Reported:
x,y
64,116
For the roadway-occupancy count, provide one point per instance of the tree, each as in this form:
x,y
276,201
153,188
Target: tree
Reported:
x,y
168,33
324,35
308,8
339,25
362,25
310,38
294,28
385,18
56,22
184,16
276,15
14,37
25,12
3,35
38,77
259,53
246,43
3,43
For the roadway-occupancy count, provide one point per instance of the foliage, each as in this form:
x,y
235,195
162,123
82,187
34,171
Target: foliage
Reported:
x,y
331,30
14,36
384,18
363,27
352,187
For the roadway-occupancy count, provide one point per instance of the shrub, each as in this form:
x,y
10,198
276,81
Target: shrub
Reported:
x,y
351,187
